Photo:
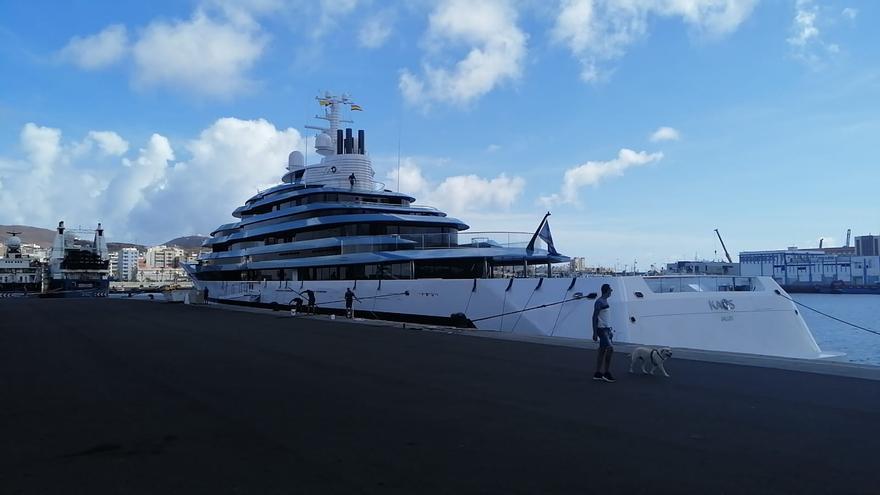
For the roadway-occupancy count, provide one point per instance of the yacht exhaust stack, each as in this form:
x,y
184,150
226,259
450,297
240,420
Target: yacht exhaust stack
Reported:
x,y
348,141
58,242
361,146
101,244
339,142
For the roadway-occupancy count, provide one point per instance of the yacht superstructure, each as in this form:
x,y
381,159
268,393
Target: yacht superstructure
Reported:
x,y
330,226
76,269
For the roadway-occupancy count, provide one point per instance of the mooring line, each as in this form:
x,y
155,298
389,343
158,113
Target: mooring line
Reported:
x,y
875,332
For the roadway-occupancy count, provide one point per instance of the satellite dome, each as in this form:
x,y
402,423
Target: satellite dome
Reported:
x,y
323,140
295,160
324,144
13,243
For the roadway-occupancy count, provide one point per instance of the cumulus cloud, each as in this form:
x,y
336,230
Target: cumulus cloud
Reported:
x,y
849,13
201,55
665,134
229,161
461,193
109,142
496,51
592,173
98,50
151,195
597,31
210,54
376,29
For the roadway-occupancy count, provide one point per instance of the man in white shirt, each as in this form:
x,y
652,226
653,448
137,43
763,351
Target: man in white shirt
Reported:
x,y
604,334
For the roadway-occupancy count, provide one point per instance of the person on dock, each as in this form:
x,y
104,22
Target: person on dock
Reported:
x,y
349,300
310,295
205,293
603,333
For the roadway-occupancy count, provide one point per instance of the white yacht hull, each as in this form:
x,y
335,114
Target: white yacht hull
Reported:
x,y
759,321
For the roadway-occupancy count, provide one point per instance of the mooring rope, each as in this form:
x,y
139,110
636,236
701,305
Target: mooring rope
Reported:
x,y
875,332
528,309
404,293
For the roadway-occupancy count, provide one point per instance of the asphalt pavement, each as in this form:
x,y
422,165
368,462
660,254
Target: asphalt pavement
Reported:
x,y
115,396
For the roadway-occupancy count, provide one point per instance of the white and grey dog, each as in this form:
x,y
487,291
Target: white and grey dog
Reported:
x,y
652,359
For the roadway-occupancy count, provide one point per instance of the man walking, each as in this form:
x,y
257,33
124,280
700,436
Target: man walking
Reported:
x,y
603,333
349,299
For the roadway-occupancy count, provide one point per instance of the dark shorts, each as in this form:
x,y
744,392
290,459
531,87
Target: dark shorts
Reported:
x,y
605,337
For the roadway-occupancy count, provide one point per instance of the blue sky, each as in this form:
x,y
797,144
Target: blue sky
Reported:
x,y
159,118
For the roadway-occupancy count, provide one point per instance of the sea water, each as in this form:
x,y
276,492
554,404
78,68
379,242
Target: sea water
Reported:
x,y
863,310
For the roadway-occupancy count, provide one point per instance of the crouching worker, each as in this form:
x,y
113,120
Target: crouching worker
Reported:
x,y
603,333
297,305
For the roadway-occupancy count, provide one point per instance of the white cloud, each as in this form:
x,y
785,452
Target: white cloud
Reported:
x,y
597,31
330,14
376,29
850,13
228,162
665,134
142,176
592,173
149,196
492,148
496,51
804,24
98,50
806,40
200,55
109,142
458,194
41,145
243,12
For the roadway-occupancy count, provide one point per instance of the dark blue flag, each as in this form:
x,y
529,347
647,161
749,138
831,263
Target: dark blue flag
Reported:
x,y
544,235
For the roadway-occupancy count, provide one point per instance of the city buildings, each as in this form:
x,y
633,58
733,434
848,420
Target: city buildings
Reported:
x,y
703,268
817,268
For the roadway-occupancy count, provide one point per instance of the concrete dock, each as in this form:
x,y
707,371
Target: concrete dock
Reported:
x,y
116,396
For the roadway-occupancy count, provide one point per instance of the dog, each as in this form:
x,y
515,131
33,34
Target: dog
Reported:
x,y
651,358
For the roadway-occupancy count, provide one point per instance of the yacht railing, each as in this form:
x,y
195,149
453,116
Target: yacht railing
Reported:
x,y
665,284
344,183
393,242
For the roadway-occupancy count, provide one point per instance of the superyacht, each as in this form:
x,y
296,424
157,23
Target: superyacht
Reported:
x,y
330,226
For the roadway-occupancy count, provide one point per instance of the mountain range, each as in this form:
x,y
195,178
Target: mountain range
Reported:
x,y
44,237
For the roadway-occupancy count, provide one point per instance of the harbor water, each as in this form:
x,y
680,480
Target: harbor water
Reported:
x,y
863,310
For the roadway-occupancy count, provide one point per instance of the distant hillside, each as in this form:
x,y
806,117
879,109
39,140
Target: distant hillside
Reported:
x,y
45,237
187,242
29,235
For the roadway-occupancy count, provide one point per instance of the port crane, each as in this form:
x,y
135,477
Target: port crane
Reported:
x,y
729,260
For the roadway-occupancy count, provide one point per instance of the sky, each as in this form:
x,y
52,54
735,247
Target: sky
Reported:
x,y
642,125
